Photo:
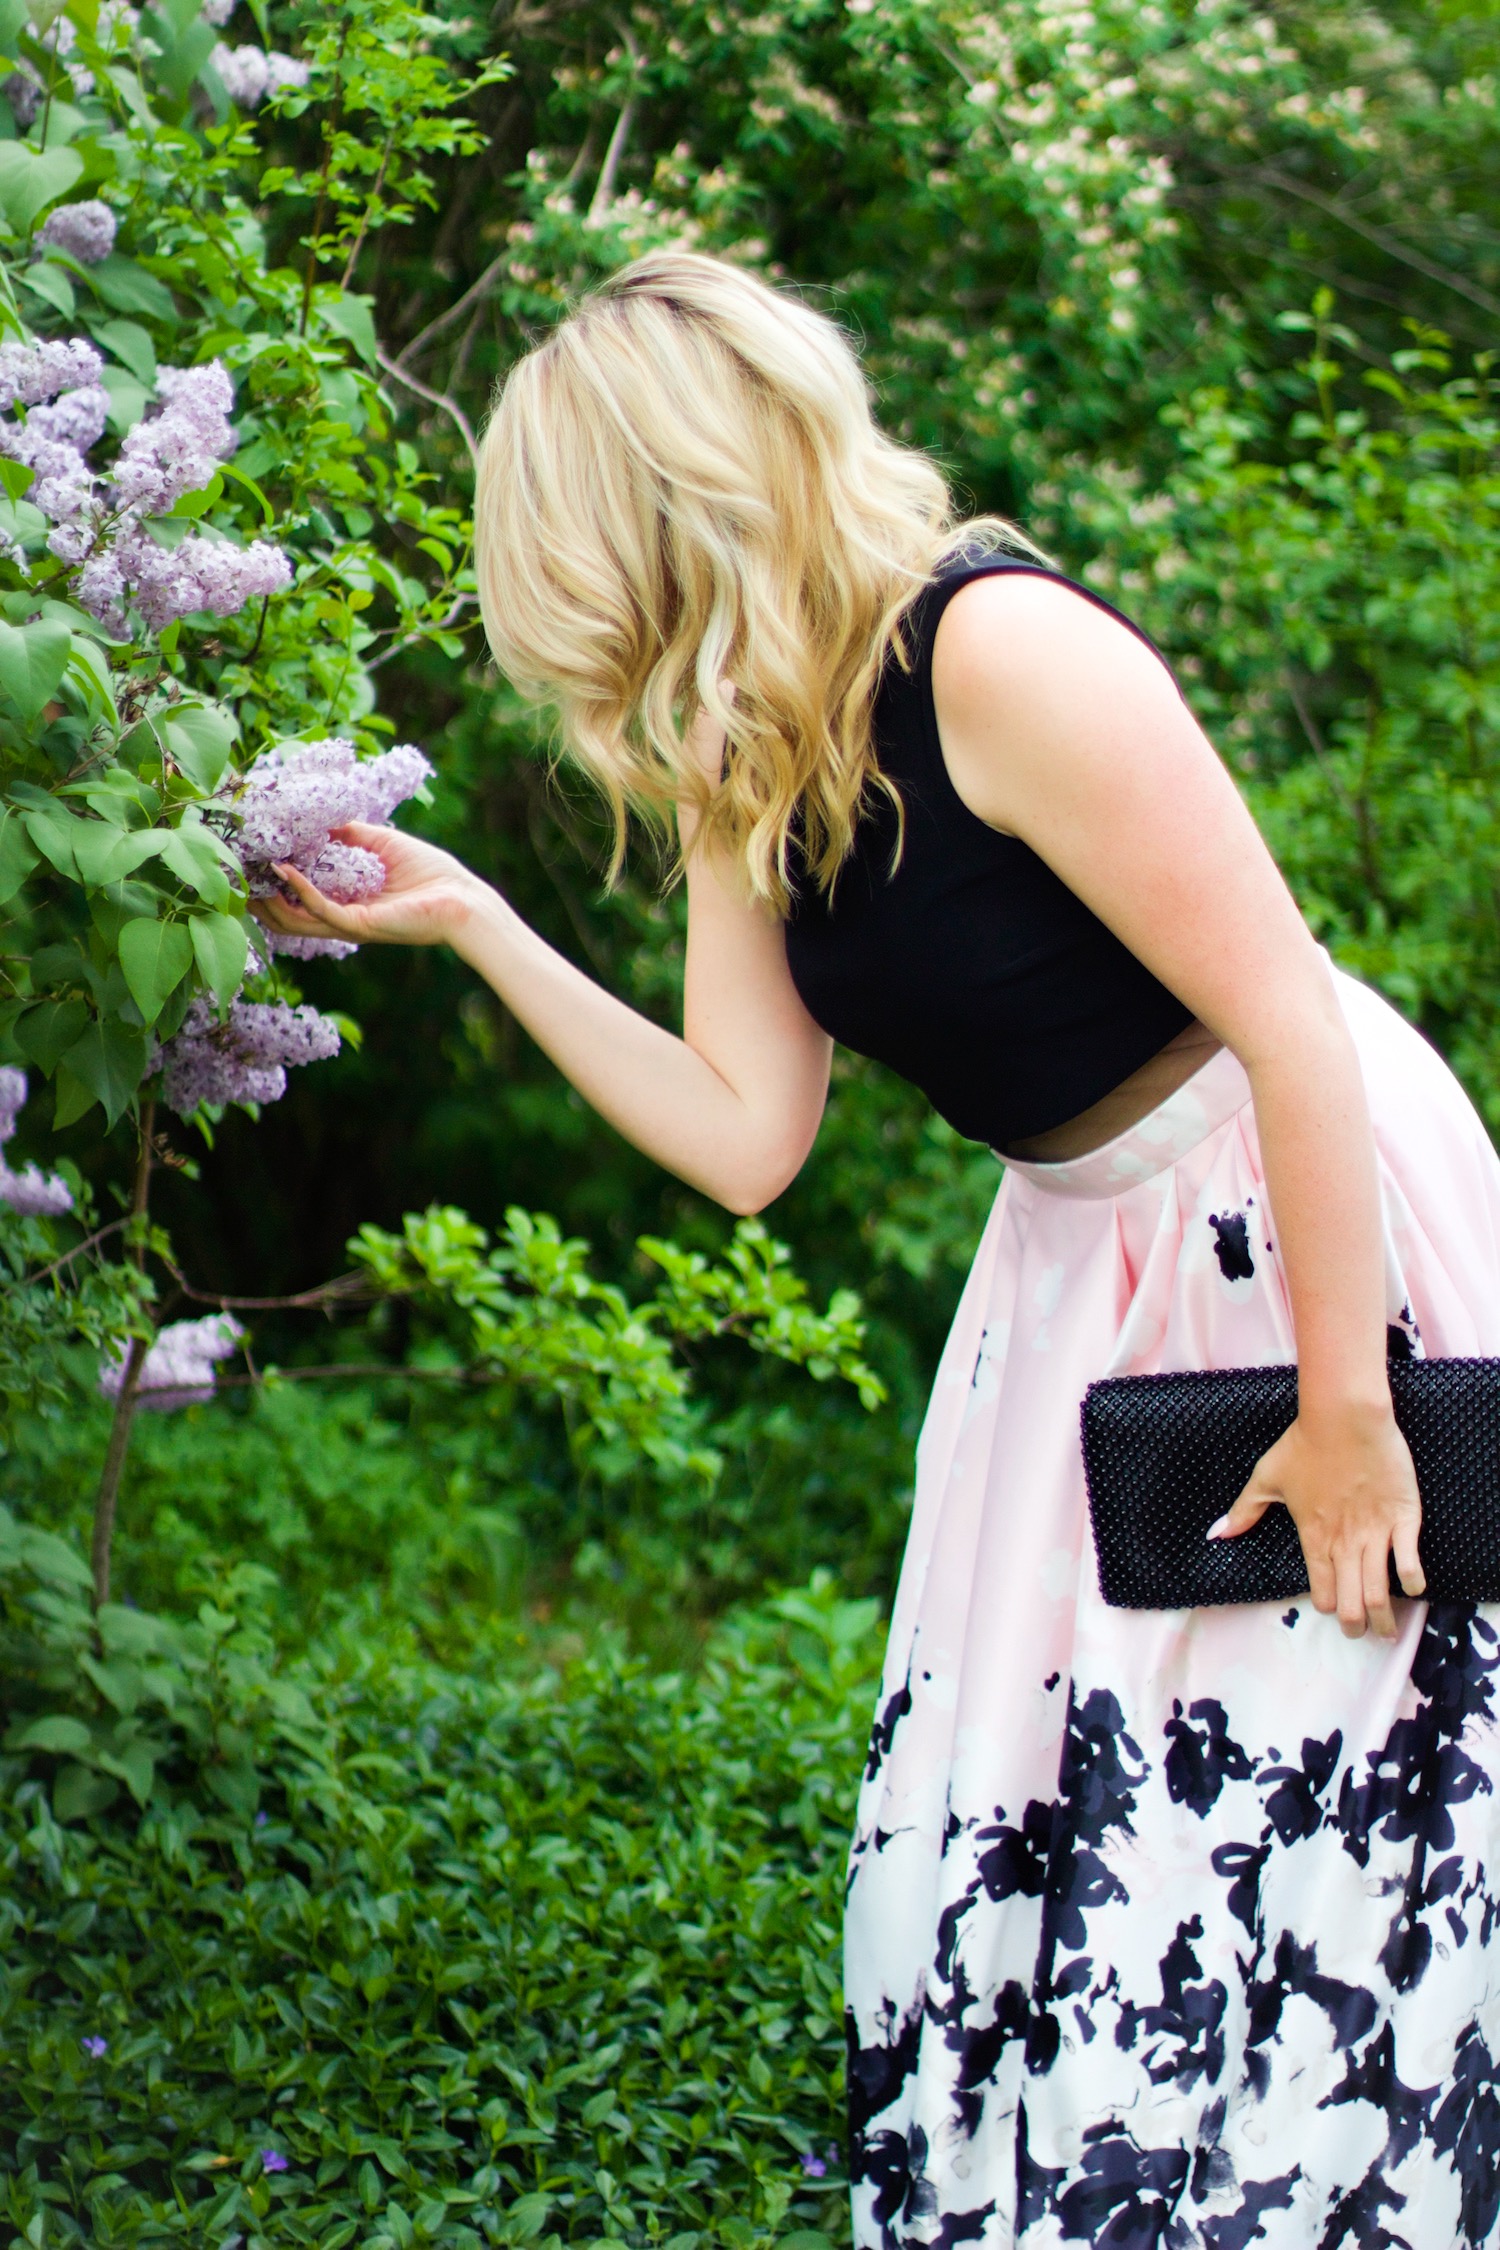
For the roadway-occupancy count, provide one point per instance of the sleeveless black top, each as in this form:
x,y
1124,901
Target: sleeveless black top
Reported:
x,y
973,971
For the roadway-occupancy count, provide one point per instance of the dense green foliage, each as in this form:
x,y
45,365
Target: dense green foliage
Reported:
x,y
540,1953
536,1940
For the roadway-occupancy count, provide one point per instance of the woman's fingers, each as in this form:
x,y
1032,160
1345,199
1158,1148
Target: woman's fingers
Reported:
x,y
1408,1561
1349,1580
335,920
1377,1589
1251,1504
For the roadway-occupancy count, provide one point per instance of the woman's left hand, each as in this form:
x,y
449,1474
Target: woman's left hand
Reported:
x,y
1348,1483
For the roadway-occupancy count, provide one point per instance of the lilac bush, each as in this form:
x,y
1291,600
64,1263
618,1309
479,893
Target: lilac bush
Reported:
x,y
100,527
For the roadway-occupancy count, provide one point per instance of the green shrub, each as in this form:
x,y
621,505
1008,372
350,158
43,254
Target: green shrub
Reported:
x,y
545,1953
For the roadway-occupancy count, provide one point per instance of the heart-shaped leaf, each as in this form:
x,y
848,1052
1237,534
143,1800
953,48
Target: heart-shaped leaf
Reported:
x,y
33,658
155,956
110,1060
199,738
31,179
222,946
46,1032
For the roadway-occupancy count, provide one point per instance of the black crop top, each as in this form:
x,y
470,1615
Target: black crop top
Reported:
x,y
973,970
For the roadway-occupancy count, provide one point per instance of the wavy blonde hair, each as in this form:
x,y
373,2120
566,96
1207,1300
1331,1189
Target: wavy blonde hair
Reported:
x,y
684,505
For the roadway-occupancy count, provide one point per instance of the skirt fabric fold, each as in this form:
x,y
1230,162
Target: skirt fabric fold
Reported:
x,y
1176,1930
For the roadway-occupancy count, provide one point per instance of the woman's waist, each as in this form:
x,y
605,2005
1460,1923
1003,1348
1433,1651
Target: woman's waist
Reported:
x,y
1125,1105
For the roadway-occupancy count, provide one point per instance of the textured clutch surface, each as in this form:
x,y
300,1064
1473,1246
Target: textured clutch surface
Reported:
x,y
1167,1455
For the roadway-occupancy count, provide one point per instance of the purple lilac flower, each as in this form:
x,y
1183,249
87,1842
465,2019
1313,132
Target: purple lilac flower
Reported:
x,y
199,573
218,12
94,2046
292,798
52,441
86,231
31,1192
261,1819
177,450
245,1058
272,2160
178,1370
30,373
248,75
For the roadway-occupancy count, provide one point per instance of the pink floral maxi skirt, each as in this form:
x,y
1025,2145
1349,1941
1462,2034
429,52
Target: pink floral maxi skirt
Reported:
x,y
1176,1930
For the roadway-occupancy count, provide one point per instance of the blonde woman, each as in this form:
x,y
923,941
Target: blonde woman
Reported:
x,y
1163,1928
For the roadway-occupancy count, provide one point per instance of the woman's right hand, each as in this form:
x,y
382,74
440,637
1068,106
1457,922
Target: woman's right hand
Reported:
x,y
430,898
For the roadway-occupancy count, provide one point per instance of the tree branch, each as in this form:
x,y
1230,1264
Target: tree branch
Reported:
x,y
1381,237
438,399
460,305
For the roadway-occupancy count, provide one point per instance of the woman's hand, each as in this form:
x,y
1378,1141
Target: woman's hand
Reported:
x,y
1348,1483
429,897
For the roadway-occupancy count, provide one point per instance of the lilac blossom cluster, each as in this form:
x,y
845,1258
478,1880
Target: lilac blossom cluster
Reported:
x,y
292,798
248,74
178,1370
33,1193
101,528
246,1057
86,231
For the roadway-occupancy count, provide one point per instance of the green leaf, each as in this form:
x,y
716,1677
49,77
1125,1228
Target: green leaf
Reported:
x,y
18,854
221,944
29,181
128,288
78,1794
56,1731
52,831
16,477
199,738
155,957
350,317
110,1060
131,346
46,1032
71,1099
103,853
33,658
190,854
50,282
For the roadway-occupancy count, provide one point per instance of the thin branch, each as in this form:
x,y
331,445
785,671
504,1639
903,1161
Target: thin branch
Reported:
x,y
363,1370
604,187
90,1242
1315,742
460,305
1381,237
438,399
410,640
368,212
349,1288
106,1497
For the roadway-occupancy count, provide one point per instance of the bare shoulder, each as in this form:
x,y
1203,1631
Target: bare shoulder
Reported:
x,y
1019,633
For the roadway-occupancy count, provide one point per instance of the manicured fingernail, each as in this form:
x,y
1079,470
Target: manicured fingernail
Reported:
x,y
1219,1530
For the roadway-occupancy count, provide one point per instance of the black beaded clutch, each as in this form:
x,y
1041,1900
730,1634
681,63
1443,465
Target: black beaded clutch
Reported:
x,y
1166,1455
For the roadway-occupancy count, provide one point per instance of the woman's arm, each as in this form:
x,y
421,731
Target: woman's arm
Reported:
x,y
732,1107
1061,727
